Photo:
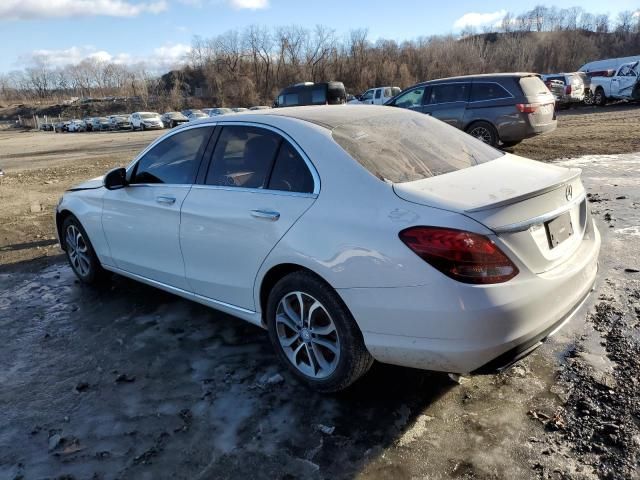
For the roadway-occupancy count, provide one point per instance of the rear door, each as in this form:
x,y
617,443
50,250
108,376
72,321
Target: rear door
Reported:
x,y
257,185
377,97
448,102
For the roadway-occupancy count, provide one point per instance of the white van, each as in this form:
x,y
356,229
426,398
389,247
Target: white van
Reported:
x,y
376,96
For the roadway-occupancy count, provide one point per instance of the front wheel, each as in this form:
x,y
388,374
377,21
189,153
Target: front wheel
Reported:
x,y
484,132
80,253
314,334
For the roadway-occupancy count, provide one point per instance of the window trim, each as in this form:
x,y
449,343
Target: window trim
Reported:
x,y
312,169
132,165
510,97
451,83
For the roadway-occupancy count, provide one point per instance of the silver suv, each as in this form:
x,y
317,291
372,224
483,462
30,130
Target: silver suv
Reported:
x,y
499,109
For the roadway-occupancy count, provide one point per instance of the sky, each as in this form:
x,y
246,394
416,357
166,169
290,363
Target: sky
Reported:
x,y
160,31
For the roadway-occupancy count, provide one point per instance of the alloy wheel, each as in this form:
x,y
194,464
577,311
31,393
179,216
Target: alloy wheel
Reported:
x,y
481,133
78,251
307,335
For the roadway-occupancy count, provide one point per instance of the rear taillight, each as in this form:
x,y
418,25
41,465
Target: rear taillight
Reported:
x,y
464,256
567,89
527,107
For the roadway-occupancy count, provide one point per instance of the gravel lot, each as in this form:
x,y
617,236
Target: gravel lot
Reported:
x,y
130,382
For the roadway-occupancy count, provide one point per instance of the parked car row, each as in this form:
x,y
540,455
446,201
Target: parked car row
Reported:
x,y
141,120
500,109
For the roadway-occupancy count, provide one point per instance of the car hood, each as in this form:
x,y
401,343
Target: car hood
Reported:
x,y
97,182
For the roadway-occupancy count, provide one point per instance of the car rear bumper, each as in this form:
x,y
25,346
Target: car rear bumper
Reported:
x,y
458,328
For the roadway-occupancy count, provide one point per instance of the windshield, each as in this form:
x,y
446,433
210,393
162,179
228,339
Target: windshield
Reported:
x,y
402,147
149,115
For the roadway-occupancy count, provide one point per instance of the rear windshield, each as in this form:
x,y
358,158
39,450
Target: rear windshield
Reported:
x,y
532,86
402,146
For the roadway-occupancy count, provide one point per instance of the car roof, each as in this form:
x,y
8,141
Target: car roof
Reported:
x,y
327,116
482,76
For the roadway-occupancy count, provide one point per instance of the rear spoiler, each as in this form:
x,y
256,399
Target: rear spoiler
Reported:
x,y
572,175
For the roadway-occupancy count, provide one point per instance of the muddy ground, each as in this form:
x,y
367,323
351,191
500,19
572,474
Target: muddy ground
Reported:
x,y
129,382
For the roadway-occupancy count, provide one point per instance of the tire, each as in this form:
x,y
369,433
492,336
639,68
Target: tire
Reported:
x,y
142,127
599,98
81,255
329,359
588,98
485,132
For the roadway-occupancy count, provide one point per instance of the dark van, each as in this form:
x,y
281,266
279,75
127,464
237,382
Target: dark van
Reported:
x,y
309,93
499,109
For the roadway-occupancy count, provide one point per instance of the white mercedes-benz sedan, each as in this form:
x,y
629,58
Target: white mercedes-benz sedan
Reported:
x,y
350,234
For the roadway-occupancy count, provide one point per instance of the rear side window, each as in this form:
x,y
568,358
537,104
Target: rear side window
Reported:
x,y
378,93
290,172
481,92
448,93
174,160
243,157
401,146
533,86
412,98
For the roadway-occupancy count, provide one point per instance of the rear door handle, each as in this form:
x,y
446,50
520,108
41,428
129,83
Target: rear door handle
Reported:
x,y
266,214
166,200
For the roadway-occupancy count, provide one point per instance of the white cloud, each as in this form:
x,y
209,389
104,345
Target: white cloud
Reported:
x,y
161,59
237,4
473,19
249,4
31,9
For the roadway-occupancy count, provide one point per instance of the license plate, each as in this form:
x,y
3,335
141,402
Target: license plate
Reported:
x,y
559,229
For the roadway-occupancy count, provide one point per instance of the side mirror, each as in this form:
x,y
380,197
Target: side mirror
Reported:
x,y
115,179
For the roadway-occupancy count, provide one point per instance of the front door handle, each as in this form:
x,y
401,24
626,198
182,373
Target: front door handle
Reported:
x,y
166,200
266,214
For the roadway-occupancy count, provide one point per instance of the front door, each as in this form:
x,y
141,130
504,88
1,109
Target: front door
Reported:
x,y
256,187
142,220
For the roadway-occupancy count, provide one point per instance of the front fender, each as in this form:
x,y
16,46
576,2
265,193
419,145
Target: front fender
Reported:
x,y
86,206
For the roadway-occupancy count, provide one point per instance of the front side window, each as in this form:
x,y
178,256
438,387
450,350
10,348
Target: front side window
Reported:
x,y
448,93
290,172
412,98
174,160
481,92
243,157
368,95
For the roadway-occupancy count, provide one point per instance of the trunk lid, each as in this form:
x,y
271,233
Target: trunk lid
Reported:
x,y
516,198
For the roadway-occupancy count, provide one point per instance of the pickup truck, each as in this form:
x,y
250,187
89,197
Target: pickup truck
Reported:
x,y
376,96
623,85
